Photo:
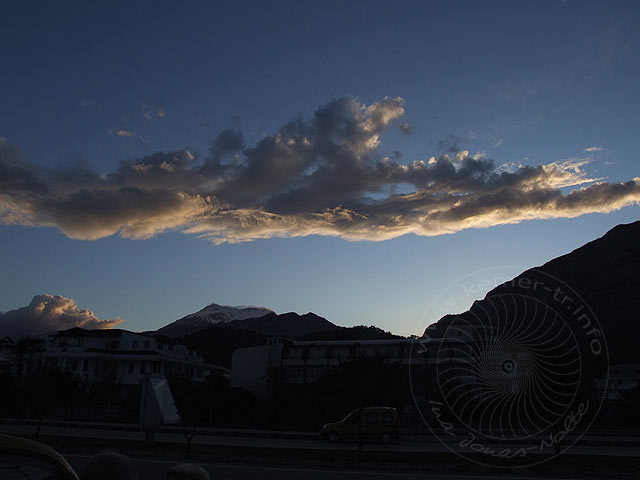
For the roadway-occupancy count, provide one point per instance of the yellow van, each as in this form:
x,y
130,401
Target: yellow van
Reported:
x,y
373,424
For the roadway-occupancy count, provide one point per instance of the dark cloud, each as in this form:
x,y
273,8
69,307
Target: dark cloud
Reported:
x,y
406,128
16,175
224,148
323,175
450,144
173,170
49,313
132,211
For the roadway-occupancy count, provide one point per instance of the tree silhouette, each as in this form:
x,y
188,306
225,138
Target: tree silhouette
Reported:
x,y
46,389
192,400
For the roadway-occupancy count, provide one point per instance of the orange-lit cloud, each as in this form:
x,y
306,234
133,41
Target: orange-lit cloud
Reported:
x,y
125,133
319,176
49,313
149,110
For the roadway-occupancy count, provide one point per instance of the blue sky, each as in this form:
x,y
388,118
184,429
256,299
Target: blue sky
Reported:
x,y
503,86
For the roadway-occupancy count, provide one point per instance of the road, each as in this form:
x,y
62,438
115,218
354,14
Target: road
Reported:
x,y
407,444
147,469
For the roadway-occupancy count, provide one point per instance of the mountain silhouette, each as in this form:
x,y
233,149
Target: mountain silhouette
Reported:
x,y
602,277
212,314
291,325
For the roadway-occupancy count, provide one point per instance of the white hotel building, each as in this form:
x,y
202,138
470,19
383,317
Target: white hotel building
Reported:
x,y
120,356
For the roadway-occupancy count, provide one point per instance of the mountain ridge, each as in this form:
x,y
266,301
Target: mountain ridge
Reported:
x,y
604,272
257,319
212,314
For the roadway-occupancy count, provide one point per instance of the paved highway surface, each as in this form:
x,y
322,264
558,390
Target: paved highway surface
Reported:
x,y
407,444
147,469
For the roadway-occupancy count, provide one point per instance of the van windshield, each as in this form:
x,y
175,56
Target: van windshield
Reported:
x,y
349,419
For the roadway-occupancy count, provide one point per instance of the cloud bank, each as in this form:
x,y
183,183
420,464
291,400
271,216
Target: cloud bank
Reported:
x,y
319,176
49,313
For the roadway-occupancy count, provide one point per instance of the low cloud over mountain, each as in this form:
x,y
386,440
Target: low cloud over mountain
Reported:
x,y
324,175
48,313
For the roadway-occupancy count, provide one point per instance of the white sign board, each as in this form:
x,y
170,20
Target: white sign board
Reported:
x,y
157,404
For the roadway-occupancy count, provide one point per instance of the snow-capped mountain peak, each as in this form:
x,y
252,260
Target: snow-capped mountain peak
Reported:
x,y
212,314
215,313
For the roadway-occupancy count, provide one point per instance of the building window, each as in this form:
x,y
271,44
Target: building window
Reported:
x,y
130,367
293,374
341,353
142,367
316,353
146,344
160,346
295,353
365,351
389,352
80,341
85,365
115,344
313,373
135,344
171,347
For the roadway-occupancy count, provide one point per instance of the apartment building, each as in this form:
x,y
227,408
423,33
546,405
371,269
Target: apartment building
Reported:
x,y
119,356
306,361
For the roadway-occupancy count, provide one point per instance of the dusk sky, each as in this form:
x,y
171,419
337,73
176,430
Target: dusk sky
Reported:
x,y
353,159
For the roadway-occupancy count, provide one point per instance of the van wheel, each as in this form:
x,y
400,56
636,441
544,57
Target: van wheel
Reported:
x,y
385,438
333,437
